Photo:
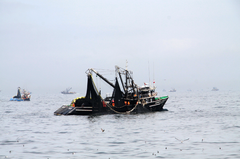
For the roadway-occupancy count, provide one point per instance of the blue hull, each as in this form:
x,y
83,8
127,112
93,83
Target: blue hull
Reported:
x,y
16,99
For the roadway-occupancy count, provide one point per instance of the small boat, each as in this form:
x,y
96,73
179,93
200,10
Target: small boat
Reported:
x,y
173,90
127,97
25,97
215,89
67,91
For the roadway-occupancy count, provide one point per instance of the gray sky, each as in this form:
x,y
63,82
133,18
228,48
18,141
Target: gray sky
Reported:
x,y
47,45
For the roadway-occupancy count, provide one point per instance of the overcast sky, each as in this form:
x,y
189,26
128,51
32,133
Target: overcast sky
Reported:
x,y
47,45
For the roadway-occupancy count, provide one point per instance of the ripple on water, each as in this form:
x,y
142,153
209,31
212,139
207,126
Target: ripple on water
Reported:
x,y
8,142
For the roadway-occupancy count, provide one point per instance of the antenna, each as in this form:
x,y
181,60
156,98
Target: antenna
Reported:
x,y
153,76
149,74
126,64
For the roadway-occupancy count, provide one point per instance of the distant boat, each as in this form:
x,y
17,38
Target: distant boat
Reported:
x,y
215,89
173,90
25,97
67,91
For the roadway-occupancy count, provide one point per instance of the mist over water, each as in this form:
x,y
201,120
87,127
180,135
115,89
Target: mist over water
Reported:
x,y
47,45
202,124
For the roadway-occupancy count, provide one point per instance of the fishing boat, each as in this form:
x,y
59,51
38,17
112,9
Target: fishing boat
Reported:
x,y
126,98
215,89
24,97
173,90
67,91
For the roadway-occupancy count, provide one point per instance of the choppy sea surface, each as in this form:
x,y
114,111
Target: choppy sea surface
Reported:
x,y
196,125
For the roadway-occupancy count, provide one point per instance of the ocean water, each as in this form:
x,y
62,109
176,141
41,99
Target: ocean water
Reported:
x,y
197,125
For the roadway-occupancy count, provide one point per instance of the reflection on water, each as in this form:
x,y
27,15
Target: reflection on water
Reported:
x,y
199,124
